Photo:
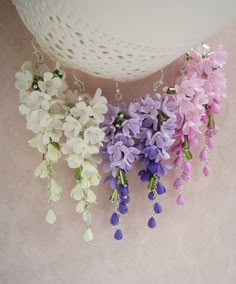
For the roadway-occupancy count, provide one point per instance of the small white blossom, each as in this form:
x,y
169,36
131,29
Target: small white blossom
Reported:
x,y
55,191
37,142
80,206
91,197
82,111
24,78
72,127
77,192
42,170
94,135
99,105
50,84
53,154
51,217
88,235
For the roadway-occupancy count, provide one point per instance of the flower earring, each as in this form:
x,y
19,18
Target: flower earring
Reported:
x,y
199,93
122,127
42,101
158,122
83,140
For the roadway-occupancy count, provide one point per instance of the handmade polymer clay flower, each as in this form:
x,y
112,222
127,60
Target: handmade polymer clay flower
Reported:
x,y
158,117
83,140
37,98
199,95
121,128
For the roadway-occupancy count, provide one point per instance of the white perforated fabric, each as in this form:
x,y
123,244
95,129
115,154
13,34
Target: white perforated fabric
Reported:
x,y
120,40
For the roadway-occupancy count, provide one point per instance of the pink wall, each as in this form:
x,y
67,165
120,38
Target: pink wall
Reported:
x,y
195,244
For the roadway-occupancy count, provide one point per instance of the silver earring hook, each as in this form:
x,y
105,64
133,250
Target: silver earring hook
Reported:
x,y
118,94
37,52
78,83
159,82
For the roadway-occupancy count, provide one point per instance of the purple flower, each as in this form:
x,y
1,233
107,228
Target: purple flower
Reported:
x,y
149,107
157,208
118,235
160,188
152,223
131,127
123,209
114,219
123,190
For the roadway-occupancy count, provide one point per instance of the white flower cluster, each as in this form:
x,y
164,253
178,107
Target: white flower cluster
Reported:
x,y
43,101
84,138
52,110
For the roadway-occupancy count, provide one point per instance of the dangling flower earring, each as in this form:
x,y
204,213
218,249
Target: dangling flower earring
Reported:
x,y
199,93
41,93
83,140
122,127
158,117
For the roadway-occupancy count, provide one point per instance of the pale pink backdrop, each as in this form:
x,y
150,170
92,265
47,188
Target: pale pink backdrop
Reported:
x,y
195,244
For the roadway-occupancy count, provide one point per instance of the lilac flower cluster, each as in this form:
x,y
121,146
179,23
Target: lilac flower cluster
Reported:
x,y
121,130
158,117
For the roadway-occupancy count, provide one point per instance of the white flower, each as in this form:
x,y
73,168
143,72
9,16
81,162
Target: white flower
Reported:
x,y
82,111
77,192
99,105
80,206
87,216
52,130
50,84
42,170
91,197
71,127
88,235
51,217
36,100
80,147
37,142
56,189
24,78
94,135
71,98
74,161
37,120
53,154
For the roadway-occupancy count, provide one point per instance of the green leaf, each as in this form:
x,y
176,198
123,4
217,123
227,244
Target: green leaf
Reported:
x,y
114,196
78,173
211,122
122,177
56,145
152,183
188,155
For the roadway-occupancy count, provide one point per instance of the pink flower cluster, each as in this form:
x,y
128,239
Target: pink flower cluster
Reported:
x,y
200,91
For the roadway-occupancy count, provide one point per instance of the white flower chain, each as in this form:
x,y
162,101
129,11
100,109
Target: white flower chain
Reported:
x,y
51,110
84,139
43,97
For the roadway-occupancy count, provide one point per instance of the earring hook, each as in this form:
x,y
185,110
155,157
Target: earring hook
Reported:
x,y
78,83
159,82
118,94
37,52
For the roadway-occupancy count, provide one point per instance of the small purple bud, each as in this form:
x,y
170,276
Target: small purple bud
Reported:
x,y
210,143
203,155
114,219
151,195
144,176
118,235
124,190
206,171
160,188
152,167
187,167
123,209
157,208
125,199
152,223
178,161
177,183
185,176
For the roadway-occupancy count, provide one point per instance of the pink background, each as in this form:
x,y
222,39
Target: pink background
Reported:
x,y
193,244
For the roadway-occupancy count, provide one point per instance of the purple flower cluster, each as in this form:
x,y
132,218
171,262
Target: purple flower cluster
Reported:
x,y
122,129
158,118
